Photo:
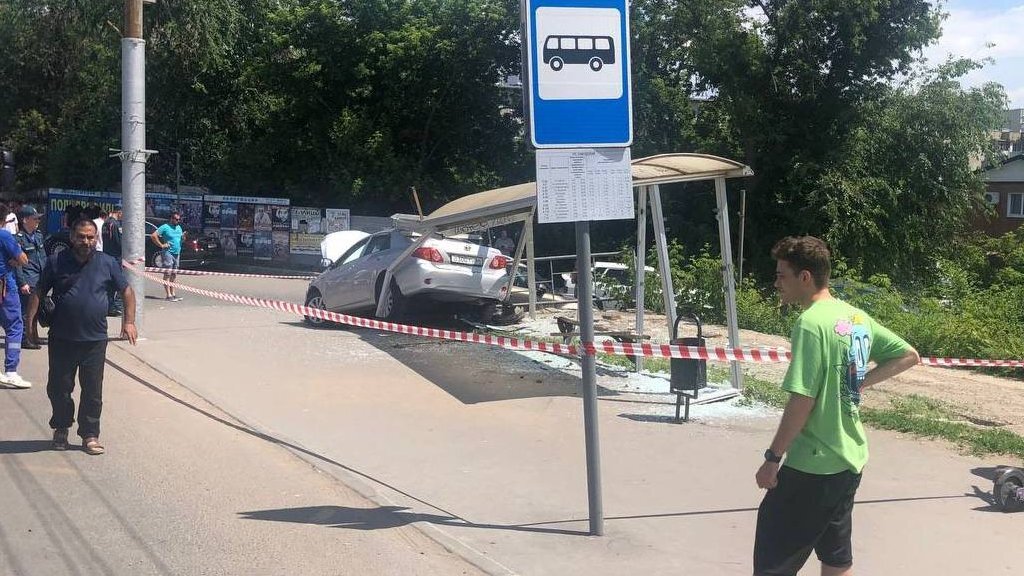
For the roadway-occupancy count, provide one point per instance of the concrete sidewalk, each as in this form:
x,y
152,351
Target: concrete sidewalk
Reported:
x,y
484,452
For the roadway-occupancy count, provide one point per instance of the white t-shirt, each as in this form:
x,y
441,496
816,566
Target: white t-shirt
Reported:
x,y
11,223
99,234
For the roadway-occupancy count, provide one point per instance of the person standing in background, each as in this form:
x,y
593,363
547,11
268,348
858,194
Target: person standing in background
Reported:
x,y
11,257
30,239
111,234
168,237
11,219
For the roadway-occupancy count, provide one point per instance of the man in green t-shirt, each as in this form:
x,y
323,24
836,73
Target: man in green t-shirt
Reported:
x,y
810,496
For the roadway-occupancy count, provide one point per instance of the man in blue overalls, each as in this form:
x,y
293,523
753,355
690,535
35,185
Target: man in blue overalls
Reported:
x,y
30,239
11,257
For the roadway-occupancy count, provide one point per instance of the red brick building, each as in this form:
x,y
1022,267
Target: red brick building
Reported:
x,y
1004,185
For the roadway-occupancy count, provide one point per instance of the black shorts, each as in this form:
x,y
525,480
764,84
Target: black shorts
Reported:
x,y
805,512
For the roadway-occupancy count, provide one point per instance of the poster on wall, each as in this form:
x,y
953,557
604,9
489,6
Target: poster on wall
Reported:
x,y
263,248
192,213
240,217
280,246
211,215
246,243
282,221
306,231
228,215
246,213
229,241
337,219
58,200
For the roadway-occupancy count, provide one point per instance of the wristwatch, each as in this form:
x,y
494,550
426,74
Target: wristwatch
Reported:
x,y
770,456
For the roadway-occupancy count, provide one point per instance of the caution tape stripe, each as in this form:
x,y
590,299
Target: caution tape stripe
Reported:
x,y
182,272
758,355
501,341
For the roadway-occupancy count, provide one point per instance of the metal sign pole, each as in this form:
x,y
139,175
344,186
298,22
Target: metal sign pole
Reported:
x,y
586,318
133,146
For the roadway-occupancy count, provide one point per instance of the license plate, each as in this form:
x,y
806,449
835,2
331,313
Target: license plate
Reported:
x,y
469,260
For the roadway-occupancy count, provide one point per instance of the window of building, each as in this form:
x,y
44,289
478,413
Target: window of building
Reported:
x,y
1015,206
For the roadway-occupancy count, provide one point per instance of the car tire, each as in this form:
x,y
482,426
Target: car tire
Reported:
x,y
395,308
556,64
1005,489
55,246
596,64
315,300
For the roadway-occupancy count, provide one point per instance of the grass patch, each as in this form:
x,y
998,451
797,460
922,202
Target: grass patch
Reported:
x,y
929,418
913,414
650,364
759,390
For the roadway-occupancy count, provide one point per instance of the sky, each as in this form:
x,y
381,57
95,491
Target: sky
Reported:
x,y
971,25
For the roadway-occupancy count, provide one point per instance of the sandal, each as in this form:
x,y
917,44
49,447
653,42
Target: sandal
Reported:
x,y
92,446
60,439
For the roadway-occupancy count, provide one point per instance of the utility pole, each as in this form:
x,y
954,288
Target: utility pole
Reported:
x,y
133,144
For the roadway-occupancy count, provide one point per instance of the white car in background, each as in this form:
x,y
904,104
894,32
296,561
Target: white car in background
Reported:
x,y
610,278
442,270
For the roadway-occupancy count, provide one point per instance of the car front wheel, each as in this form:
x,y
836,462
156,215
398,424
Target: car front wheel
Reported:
x,y
315,300
394,306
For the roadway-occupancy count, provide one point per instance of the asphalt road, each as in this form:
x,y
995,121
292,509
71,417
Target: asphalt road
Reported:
x,y
184,489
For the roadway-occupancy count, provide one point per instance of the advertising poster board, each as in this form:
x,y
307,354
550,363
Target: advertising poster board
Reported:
x,y
280,246
59,199
306,231
337,219
263,245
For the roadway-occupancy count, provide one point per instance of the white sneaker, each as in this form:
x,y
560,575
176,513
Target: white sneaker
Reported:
x,y
14,380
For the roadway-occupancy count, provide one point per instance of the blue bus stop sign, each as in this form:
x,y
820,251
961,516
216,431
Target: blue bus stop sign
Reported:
x,y
578,70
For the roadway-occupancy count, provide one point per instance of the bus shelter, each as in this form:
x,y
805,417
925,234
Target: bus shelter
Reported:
x,y
513,204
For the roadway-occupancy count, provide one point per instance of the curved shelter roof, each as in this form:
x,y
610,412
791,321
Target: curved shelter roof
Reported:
x,y
493,207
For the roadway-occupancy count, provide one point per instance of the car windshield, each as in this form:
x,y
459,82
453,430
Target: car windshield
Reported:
x,y
354,253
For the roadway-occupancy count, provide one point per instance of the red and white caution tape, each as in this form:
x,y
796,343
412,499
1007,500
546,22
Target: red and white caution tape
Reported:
x,y
971,362
500,341
183,272
692,352
759,355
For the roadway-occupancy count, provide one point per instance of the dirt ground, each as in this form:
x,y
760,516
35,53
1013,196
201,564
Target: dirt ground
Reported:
x,y
983,400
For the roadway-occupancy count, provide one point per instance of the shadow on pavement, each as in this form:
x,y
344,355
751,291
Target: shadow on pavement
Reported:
x,y
381,518
25,446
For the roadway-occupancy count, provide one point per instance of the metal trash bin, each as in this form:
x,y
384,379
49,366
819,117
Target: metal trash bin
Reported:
x,y
688,375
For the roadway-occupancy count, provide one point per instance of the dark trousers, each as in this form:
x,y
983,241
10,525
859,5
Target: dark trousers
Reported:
x,y
87,359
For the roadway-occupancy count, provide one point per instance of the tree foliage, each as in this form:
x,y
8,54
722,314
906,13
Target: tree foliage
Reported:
x,y
351,103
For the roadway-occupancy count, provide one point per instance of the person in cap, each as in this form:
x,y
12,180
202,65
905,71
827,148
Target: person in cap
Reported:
x,y
30,239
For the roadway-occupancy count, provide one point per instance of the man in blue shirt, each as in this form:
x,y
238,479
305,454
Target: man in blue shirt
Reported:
x,y
11,257
168,238
80,279
30,239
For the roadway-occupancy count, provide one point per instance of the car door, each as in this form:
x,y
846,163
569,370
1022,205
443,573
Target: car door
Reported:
x,y
336,281
364,278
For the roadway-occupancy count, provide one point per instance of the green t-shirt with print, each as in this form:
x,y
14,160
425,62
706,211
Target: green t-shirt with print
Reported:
x,y
832,343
